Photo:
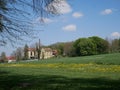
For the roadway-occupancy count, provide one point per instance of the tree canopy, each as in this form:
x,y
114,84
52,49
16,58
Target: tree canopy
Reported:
x,y
90,46
85,46
101,44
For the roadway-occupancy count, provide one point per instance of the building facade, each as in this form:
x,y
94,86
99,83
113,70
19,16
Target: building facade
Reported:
x,y
32,54
44,54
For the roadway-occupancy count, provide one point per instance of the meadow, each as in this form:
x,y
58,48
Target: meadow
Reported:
x,y
98,72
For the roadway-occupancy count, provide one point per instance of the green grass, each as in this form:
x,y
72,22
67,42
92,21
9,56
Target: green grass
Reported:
x,y
98,72
99,59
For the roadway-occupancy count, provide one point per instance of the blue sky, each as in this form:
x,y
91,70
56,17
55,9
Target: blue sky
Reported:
x,y
80,18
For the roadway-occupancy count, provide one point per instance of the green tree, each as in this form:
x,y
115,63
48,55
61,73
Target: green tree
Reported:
x,y
59,47
26,52
85,46
101,44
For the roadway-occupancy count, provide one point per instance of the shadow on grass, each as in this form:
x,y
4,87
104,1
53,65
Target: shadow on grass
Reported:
x,y
3,72
52,82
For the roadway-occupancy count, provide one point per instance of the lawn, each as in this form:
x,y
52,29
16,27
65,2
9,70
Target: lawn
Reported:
x,y
98,72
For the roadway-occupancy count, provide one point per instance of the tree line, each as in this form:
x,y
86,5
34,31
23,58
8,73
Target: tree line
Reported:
x,y
81,47
87,46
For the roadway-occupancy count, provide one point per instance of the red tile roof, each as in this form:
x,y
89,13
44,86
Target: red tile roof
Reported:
x,y
10,58
31,49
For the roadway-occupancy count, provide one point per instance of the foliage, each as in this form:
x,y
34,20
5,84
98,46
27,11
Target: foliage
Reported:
x,y
85,46
59,47
102,45
90,46
81,47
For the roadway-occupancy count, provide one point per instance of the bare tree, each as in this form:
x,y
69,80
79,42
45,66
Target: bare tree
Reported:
x,y
3,57
19,54
14,22
13,54
26,52
69,49
16,17
38,49
115,45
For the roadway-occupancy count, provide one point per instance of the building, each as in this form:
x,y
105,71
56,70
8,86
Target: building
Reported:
x,y
11,59
32,54
44,54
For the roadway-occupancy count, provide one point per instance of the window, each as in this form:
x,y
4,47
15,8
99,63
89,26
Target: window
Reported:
x,y
31,53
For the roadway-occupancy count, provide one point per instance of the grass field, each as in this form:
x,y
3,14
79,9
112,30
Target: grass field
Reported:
x,y
99,72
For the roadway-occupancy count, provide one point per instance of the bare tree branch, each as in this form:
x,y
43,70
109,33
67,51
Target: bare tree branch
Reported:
x,y
16,18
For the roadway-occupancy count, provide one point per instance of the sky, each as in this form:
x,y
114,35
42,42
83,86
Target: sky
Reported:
x,y
79,18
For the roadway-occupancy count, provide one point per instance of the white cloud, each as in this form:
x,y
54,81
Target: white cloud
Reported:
x,y
115,34
44,20
77,15
106,12
59,6
70,27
